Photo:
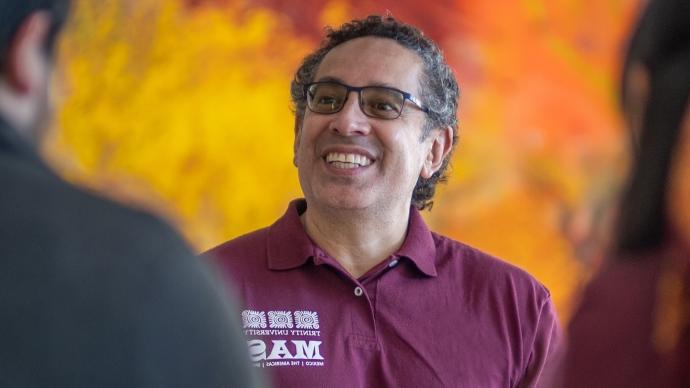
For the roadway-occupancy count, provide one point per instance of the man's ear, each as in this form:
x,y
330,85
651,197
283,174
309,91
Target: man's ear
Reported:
x,y
25,63
441,145
295,145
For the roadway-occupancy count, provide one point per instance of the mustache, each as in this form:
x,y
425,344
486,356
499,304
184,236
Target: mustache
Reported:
x,y
366,142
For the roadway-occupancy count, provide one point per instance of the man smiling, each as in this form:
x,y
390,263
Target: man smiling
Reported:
x,y
350,287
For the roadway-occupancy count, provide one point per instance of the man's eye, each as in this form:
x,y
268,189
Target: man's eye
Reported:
x,y
383,106
326,100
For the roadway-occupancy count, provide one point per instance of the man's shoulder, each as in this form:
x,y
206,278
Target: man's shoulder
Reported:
x,y
241,258
482,268
250,244
34,202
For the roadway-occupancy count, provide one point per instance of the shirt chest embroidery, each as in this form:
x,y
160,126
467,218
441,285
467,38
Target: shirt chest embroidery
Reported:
x,y
282,338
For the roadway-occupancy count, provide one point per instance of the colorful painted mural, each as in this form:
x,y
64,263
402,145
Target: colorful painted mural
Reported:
x,y
183,107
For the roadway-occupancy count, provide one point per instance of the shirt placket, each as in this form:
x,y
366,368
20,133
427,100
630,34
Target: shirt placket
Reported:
x,y
364,320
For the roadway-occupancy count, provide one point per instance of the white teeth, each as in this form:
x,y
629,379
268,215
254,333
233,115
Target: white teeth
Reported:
x,y
347,160
344,165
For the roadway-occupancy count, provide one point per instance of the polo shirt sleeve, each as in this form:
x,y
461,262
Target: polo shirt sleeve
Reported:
x,y
546,350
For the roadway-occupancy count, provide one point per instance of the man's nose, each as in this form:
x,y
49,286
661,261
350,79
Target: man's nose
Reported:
x,y
350,120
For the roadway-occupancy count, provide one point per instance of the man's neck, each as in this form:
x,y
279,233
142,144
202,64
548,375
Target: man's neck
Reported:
x,y
357,239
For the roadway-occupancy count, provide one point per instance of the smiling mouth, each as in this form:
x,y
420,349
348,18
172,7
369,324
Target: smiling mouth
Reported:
x,y
340,160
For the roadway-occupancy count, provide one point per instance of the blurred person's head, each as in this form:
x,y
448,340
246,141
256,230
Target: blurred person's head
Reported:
x,y
656,84
438,87
28,31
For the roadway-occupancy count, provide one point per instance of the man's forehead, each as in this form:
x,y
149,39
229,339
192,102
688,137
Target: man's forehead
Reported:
x,y
372,61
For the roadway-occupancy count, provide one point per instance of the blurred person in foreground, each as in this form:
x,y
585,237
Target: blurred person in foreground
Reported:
x,y
632,328
92,294
350,288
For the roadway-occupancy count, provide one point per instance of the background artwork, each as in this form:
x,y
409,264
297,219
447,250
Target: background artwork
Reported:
x,y
183,106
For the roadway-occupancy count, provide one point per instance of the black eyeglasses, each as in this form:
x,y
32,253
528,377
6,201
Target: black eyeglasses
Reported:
x,y
328,97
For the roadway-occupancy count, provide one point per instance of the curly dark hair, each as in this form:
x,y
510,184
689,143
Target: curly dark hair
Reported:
x,y
440,92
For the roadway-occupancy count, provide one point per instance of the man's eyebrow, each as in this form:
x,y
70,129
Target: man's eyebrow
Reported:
x,y
330,79
383,85
336,79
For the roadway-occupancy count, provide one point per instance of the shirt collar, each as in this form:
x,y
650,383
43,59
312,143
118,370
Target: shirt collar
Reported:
x,y
289,246
419,246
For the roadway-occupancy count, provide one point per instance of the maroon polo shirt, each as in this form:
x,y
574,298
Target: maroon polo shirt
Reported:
x,y
437,313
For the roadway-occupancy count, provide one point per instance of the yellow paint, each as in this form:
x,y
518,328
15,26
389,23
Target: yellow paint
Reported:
x,y
183,110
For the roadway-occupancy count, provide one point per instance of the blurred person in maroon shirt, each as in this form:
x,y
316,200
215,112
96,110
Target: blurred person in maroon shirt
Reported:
x,y
632,328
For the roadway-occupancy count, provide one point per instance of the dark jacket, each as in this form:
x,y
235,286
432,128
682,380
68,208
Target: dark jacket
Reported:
x,y
93,294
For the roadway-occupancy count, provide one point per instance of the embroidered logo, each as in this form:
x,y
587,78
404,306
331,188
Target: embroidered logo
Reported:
x,y
253,319
280,320
292,339
307,320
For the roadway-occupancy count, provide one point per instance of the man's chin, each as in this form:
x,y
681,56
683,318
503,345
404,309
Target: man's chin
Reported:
x,y
342,201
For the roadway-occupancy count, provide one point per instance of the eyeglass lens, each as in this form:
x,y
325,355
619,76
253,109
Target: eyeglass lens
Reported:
x,y
380,102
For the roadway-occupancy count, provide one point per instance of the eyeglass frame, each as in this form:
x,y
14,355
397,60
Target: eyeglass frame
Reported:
x,y
406,97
